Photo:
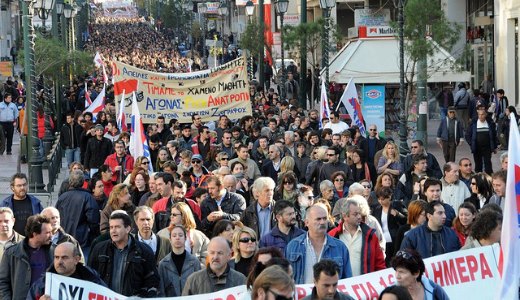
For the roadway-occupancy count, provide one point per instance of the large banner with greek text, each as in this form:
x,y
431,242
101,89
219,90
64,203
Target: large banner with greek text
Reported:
x,y
467,274
223,90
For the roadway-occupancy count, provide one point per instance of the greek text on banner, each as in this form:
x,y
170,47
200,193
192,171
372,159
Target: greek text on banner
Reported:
x,y
465,274
223,90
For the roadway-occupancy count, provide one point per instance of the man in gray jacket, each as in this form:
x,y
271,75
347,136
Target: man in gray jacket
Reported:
x,y
24,263
218,275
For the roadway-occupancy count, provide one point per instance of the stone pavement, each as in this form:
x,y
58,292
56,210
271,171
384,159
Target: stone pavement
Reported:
x,y
9,166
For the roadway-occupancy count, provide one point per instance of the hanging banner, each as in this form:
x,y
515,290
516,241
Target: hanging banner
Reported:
x,y
373,106
462,274
223,90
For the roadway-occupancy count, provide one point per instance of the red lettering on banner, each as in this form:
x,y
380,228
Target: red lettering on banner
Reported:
x,y
472,266
382,282
218,101
356,288
484,266
230,297
301,292
391,279
437,273
462,269
373,292
342,288
450,273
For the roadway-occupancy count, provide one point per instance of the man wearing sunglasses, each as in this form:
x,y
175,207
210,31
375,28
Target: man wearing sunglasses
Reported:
x,y
417,147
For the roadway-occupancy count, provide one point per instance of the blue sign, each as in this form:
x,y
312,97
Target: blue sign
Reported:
x,y
373,106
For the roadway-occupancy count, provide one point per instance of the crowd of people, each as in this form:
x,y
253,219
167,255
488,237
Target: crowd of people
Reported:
x,y
267,201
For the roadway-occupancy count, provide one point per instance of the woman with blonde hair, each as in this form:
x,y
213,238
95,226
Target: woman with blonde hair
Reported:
x,y
275,281
390,161
245,245
196,241
287,164
119,199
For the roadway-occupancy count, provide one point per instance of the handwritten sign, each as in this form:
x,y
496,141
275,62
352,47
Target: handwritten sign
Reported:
x,y
223,90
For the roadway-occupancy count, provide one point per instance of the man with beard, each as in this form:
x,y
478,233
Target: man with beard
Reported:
x,y
285,229
66,263
334,165
218,275
307,249
24,263
314,122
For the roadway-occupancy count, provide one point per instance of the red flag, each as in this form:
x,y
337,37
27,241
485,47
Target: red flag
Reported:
x,y
127,86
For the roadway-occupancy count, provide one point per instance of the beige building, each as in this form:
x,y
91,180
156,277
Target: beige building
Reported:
x,y
507,66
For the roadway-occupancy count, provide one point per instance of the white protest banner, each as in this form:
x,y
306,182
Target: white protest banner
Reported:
x,y
465,274
223,90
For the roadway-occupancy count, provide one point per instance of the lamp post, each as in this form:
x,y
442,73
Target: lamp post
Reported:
x,y
403,128
42,8
250,10
223,12
281,7
202,10
35,160
326,6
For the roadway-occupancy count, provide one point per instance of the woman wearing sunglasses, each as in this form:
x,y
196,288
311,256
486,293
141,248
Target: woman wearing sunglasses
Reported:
x,y
409,269
273,283
245,246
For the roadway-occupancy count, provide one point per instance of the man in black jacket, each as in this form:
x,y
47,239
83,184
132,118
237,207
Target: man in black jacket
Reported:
x,y
70,136
220,204
80,212
98,148
127,265
66,263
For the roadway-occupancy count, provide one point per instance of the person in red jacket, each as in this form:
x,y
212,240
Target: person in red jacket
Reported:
x,y
120,162
365,253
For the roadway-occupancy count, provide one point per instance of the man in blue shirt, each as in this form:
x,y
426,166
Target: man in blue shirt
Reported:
x,y
308,249
8,116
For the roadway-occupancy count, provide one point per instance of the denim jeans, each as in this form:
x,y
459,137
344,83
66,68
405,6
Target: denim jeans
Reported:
x,y
72,155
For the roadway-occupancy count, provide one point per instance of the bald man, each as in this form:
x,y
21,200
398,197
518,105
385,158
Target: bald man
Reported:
x,y
66,263
307,249
220,275
58,234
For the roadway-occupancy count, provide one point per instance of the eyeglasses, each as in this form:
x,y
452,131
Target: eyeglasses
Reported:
x,y
175,215
339,179
413,147
247,240
145,162
20,185
366,186
280,297
224,158
195,161
467,165
288,182
404,254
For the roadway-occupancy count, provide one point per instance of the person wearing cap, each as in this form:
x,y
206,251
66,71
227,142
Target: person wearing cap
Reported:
x,y
98,149
198,171
449,134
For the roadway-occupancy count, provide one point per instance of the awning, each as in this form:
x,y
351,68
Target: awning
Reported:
x,y
376,60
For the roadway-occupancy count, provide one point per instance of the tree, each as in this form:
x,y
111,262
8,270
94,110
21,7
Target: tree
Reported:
x,y
313,33
51,58
424,18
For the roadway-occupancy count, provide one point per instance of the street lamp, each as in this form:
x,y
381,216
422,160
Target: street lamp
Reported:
x,y
281,7
203,8
250,10
403,128
35,159
223,12
42,8
326,6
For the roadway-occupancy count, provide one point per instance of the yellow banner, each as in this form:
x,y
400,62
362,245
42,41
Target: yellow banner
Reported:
x,y
210,93
6,68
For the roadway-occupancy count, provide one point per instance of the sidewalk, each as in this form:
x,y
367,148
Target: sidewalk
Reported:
x,y
8,167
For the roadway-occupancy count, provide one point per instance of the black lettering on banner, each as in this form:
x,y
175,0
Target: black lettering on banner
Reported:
x,y
215,112
70,292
